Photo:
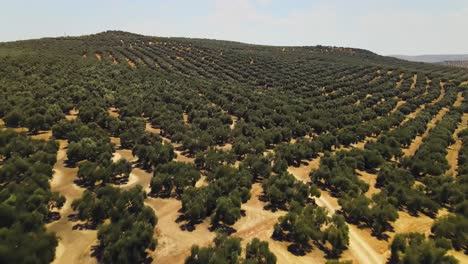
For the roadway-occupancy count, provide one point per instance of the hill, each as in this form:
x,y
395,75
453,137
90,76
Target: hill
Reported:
x,y
433,58
122,148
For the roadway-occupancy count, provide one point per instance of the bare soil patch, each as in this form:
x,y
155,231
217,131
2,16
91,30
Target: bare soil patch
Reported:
x,y
225,147
74,245
44,135
234,121
259,223
131,63
72,115
149,128
302,172
114,60
174,243
371,179
114,112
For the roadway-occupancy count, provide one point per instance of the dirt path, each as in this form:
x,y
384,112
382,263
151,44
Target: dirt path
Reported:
x,y
74,245
400,82
358,246
417,141
454,149
399,103
421,107
413,84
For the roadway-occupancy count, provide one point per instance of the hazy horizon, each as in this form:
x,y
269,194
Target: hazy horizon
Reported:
x,y
385,27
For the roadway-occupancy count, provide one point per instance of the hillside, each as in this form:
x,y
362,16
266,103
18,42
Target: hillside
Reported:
x,y
433,58
122,148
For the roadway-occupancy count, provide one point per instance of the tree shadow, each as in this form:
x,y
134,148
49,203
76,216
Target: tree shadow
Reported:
x,y
382,236
96,251
70,163
274,208
83,184
120,180
188,225
222,228
52,217
297,250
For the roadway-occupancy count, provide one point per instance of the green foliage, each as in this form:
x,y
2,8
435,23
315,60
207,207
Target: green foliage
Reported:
x,y
337,235
26,200
453,228
301,225
225,250
228,189
150,156
376,213
257,252
415,248
280,190
130,231
172,175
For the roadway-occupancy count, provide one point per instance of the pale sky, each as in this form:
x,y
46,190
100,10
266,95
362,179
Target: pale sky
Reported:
x,y
387,27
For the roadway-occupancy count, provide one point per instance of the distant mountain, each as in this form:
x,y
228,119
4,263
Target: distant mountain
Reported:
x,y
433,58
